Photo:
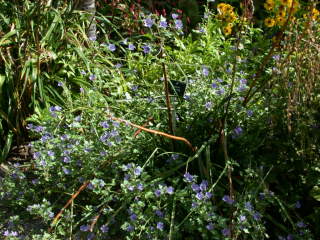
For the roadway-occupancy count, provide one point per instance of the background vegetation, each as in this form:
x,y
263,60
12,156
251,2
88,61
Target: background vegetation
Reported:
x,y
174,120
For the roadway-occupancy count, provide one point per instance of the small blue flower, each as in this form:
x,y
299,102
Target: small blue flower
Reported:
x,y
238,131
133,217
104,124
179,24
92,77
66,171
163,24
139,186
226,232
228,199
130,228
146,49
276,57
208,105
170,190
104,228
160,226
131,47
205,71
301,224
210,226
199,196
118,65
60,84
84,228
148,22
157,193
208,195
66,159
82,72
159,213
242,218
248,206
257,216
204,185
174,15
43,163
137,171
298,204
214,85
194,204
250,113
195,187
130,188
188,177
112,47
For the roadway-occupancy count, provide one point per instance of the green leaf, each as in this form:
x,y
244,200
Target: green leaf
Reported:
x,y
7,146
315,193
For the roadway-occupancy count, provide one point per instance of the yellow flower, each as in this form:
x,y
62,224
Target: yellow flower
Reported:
x,y
280,20
221,8
287,3
268,6
270,1
227,30
269,22
282,13
231,17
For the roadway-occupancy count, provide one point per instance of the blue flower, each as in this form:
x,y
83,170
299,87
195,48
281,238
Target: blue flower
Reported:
x,y
66,159
210,226
257,216
92,77
250,113
226,232
112,47
194,204
131,47
66,171
146,49
214,85
208,105
160,226
104,228
204,185
148,22
228,199
104,124
170,190
179,24
238,131
84,228
199,196
248,206
174,15
157,193
208,195
298,204
133,217
163,24
242,218
205,71
188,177
137,171
139,186
301,224
195,187
130,188
130,228
159,213
60,84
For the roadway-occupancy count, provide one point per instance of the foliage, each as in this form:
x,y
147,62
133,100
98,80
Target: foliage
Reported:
x,y
110,155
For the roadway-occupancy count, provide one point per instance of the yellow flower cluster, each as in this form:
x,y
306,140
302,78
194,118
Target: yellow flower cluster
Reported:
x,y
282,9
314,14
228,16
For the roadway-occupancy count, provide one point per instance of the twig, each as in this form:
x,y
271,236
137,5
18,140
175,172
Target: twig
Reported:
x,y
144,125
155,132
56,218
95,219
